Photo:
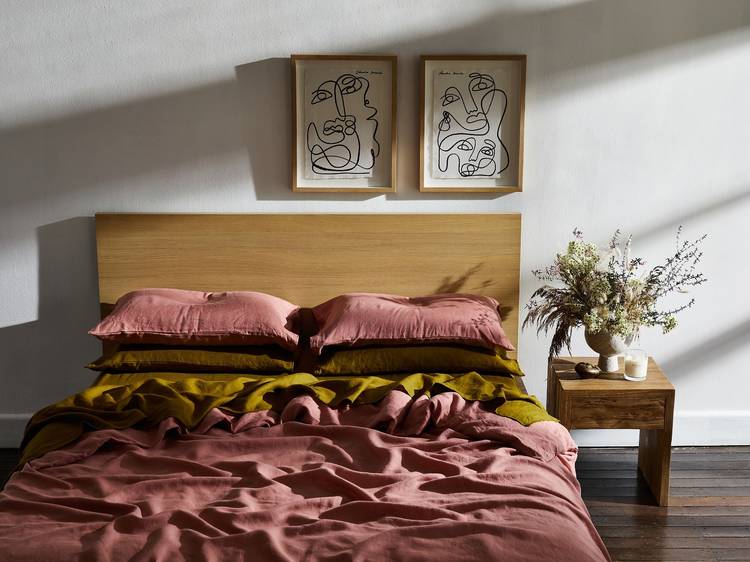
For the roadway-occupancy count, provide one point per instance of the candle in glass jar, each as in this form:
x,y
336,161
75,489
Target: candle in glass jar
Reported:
x,y
636,364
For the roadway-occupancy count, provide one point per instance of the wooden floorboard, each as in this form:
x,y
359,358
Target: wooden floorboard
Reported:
x,y
660,532
681,554
708,517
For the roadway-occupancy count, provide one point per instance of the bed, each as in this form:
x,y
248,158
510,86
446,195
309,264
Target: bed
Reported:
x,y
227,466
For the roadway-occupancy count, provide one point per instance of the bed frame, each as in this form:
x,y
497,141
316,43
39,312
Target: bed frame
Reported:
x,y
309,258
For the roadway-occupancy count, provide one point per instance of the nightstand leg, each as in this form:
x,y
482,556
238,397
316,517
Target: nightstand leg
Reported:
x,y
654,456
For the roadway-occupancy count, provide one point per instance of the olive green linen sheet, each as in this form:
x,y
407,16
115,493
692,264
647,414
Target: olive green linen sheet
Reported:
x,y
119,401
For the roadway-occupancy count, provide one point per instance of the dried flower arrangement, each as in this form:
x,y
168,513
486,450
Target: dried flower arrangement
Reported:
x,y
605,290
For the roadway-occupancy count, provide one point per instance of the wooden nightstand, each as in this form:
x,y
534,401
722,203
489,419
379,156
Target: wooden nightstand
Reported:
x,y
611,402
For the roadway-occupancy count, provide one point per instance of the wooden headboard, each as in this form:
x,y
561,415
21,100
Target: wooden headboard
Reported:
x,y
309,258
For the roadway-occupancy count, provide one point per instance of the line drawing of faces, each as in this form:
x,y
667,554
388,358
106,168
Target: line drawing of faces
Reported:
x,y
471,112
342,134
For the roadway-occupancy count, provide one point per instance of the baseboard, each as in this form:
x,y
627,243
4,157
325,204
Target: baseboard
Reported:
x,y
11,429
691,428
729,427
696,428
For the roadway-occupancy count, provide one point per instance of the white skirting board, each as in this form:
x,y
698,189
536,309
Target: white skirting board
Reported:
x,y
691,428
11,429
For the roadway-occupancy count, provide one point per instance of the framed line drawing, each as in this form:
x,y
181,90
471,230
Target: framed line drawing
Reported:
x,y
344,123
471,123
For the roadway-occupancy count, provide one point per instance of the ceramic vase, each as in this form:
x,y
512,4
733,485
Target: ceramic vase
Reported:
x,y
608,347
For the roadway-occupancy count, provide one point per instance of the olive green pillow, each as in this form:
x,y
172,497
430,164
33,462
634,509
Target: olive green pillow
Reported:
x,y
137,359
416,359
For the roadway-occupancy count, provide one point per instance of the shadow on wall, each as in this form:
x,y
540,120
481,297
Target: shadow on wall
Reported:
x,y
78,155
733,340
733,199
95,155
88,150
44,359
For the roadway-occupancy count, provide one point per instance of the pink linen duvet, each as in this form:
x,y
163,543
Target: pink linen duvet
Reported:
x,y
438,479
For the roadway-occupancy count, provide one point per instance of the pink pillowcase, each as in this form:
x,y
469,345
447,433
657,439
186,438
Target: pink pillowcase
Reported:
x,y
174,316
357,319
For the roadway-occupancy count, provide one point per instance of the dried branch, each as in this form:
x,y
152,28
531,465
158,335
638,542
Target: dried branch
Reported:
x,y
609,292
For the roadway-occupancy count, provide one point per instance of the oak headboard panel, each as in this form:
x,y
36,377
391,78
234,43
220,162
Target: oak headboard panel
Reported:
x,y
309,258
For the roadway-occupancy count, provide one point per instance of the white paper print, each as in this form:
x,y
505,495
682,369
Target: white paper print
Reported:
x,y
468,112
341,112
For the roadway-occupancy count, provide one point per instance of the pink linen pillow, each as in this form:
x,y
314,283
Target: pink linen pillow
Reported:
x,y
175,316
357,319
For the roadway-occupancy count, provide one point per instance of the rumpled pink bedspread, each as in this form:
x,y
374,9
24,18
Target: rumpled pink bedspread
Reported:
x,y
406,479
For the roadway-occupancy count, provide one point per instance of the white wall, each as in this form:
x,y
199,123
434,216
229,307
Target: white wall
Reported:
x,y
637,117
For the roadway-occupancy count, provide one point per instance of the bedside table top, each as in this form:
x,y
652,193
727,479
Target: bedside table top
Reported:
x,y
564,370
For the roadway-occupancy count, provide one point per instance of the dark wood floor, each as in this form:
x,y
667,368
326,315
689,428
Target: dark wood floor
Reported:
x,y
708,517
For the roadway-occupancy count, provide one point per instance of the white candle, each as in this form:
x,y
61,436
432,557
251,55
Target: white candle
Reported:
x,y
636,364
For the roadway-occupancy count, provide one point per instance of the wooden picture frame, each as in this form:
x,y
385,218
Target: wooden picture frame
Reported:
x,y
337,149
494,158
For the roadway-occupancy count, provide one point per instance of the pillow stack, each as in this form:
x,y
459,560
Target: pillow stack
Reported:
x,y
172,330
192,331
365,333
